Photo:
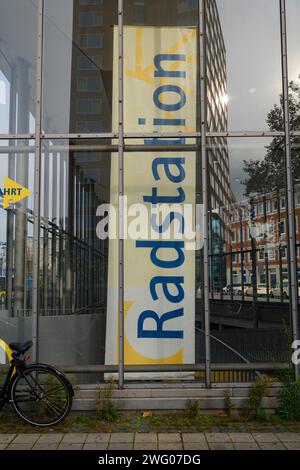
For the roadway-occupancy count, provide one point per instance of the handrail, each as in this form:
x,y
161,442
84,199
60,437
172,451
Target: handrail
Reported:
x,y
231,349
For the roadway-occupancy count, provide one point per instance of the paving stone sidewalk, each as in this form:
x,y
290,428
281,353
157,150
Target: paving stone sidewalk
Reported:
x,y
152,441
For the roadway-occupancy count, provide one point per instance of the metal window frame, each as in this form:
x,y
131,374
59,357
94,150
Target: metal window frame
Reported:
x,y
39,136
121,191
132,135
37,179
289,186
205,188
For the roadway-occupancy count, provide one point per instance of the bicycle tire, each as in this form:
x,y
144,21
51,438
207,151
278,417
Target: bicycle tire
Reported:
x,y
62,408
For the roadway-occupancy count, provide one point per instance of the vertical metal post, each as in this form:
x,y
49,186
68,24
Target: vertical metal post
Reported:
x,y
11,174
210,252
121,192
266,256
291,229
46,230
231,253
279,247
253,214
202,58
61,236
54,231
77,238
242,251
37,181
71,247
22,178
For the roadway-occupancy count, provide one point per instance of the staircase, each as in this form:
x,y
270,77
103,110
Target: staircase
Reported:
x,y
171,397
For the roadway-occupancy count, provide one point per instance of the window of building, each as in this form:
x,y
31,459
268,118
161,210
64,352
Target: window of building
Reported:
x,y
275,205
261,208
187,5
270,228
282,203
281,228
271,253
283,251
91,2
298,199
262,253
260,230
88,84
232,235
89,63
262,277
268,207
139,12
90,18
89,106
89,126
91,40
273,277
253,211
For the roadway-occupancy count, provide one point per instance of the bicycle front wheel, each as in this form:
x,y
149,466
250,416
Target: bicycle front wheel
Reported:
x,y
41,395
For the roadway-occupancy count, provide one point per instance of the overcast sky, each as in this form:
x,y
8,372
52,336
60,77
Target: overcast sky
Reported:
x,y
251,31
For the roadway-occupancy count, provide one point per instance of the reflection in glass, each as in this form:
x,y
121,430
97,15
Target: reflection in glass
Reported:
x,y
73,277
249,283
17,66
251,33
78,58
160,64
16,239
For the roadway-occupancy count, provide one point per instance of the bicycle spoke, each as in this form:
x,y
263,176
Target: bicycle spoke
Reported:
x,y
53,391
41,397
58,409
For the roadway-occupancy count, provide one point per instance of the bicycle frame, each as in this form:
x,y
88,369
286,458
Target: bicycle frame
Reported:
x,y
17,364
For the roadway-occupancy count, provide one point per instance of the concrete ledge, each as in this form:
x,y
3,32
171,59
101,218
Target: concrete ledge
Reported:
x,y
172,399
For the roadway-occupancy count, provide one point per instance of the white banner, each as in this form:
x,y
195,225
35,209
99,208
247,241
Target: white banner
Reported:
x,y
159,95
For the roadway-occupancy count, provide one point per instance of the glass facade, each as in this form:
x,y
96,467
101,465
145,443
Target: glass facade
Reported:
x,y
189,103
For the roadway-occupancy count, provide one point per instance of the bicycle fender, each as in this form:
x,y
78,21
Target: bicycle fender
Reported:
x,y
57,371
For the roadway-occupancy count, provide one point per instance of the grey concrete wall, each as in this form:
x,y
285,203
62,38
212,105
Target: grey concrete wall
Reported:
x,y
210,400
63,340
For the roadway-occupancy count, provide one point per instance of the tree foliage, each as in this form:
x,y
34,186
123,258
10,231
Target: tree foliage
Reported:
x,y
267,175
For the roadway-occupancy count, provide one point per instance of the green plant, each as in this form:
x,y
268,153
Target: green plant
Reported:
x,y
80,422
253,408
289,394
192,408
228,405
289,400
263,415
105,408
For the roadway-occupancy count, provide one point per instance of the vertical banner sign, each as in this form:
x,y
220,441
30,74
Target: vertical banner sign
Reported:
x,y
160,96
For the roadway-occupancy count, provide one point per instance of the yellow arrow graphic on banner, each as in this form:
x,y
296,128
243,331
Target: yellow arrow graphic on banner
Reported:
x,y
13,192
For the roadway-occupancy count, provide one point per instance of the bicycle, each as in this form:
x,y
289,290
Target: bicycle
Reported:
x,y
40,394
